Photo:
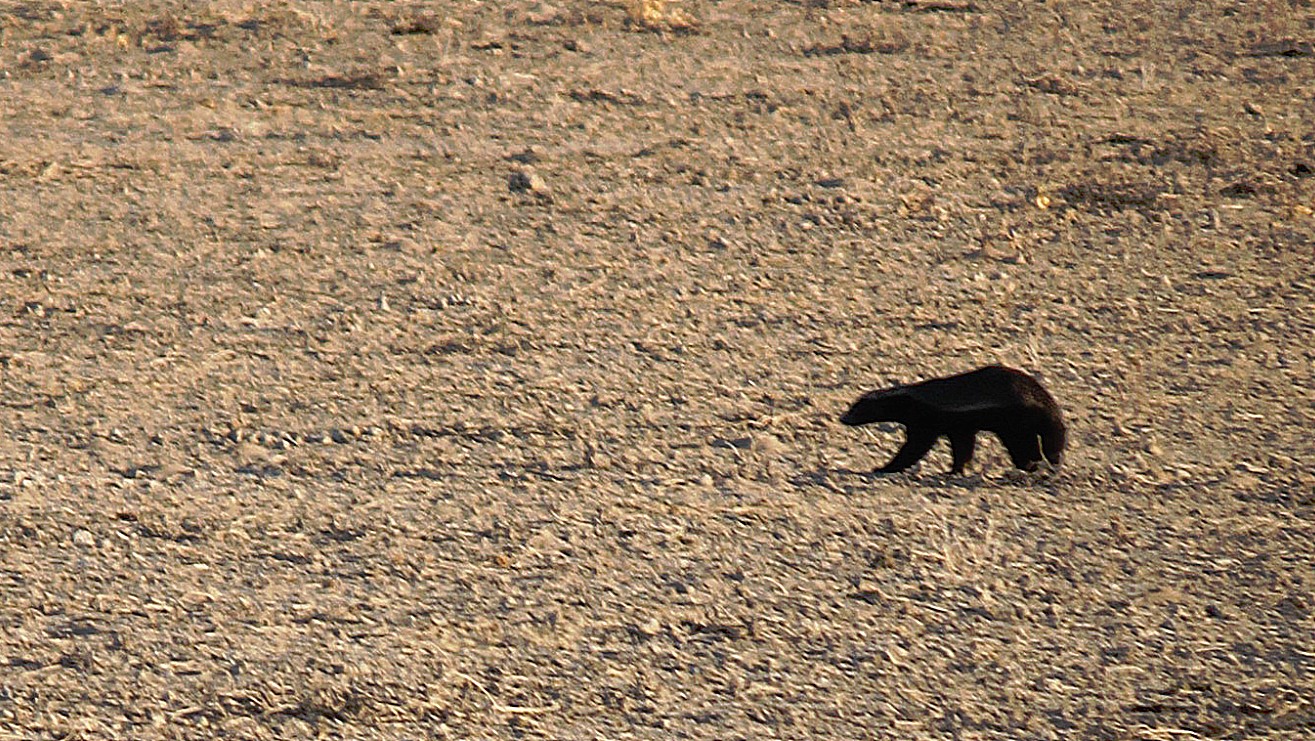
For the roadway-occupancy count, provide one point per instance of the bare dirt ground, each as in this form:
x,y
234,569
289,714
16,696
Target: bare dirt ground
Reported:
x,y
470,370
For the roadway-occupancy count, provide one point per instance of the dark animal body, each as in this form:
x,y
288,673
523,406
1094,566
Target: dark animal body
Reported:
x,y
996,399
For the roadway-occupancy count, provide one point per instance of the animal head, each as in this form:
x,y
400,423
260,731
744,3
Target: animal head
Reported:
x,y
886,405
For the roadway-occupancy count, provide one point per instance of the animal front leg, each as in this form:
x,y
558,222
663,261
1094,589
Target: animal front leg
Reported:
x,y
1024,450
1052,443
961,446
914,449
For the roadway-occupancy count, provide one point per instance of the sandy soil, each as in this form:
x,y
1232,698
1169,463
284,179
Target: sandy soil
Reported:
x,y
470,370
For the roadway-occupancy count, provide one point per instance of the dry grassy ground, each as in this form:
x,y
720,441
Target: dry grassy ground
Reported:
x,y
470,370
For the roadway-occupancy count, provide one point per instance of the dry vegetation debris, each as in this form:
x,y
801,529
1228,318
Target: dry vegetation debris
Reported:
x,y
469,370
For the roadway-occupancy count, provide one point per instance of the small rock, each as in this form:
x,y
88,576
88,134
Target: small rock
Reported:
x,y
527,156
526,181
251,451
768,445
543,14
84,538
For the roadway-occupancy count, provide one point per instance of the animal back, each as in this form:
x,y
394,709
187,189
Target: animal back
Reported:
x,y
985,389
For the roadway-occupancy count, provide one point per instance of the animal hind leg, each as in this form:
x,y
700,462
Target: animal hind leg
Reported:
x,y
914,449
961,446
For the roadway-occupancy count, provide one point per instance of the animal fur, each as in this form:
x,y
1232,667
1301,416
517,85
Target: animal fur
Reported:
x,y
1005,401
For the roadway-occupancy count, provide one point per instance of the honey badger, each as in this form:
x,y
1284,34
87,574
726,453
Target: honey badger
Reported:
x,y
996,399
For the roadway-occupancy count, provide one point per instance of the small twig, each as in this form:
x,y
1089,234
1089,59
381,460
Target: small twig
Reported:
x,y
512,709
523,710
